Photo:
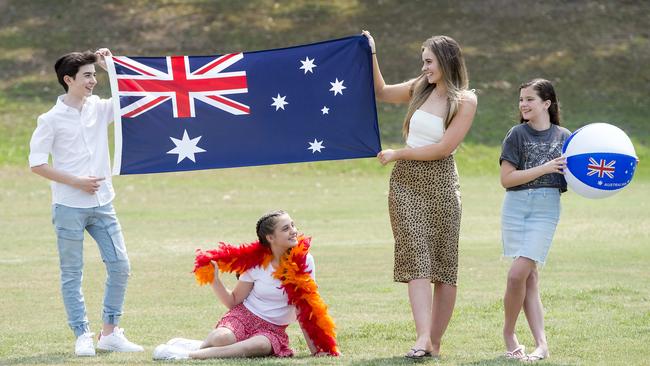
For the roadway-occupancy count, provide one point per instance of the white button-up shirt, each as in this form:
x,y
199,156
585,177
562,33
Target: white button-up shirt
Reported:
x,y
78,143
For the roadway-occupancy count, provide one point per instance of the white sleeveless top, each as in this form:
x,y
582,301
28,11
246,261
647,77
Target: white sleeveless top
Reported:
x,y
424,129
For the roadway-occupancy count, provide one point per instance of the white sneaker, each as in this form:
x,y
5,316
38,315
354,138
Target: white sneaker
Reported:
x,y
170,352
84,345
117,342
187,344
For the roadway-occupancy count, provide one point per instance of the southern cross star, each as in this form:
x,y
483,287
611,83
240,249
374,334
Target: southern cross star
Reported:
x,y
278,102
337,86
308,65
315,146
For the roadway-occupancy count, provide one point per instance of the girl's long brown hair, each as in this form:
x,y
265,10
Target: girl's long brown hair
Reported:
x,y
454,73
545,90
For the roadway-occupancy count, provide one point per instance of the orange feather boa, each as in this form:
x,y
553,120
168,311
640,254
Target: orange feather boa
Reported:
x,y
292,272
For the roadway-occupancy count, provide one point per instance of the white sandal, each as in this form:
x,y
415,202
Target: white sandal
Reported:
x,y
536,356
518,353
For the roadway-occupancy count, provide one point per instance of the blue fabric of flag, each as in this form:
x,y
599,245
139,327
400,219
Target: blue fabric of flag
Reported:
x,y
305,103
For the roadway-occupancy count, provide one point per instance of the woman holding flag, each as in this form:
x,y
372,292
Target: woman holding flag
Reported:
x,y
424,196
275,287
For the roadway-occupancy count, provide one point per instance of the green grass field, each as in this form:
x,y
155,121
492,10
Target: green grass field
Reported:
x,y
594,286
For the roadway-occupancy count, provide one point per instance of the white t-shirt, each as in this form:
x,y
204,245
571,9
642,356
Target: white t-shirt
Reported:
x,y
267,300
78,143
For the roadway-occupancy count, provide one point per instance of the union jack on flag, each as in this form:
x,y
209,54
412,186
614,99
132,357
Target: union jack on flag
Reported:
x,y
296,104
601,168
181,84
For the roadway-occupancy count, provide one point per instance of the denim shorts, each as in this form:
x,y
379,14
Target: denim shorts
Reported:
x,y
528,221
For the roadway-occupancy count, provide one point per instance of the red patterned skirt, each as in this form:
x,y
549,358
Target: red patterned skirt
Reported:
x,y
244,324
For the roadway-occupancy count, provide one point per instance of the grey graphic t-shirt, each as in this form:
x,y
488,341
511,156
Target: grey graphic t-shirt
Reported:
x,y
525,148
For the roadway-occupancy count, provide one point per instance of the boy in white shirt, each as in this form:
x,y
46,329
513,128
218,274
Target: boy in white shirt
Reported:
x,y
75,133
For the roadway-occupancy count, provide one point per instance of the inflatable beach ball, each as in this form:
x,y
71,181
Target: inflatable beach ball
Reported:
x,y
600,160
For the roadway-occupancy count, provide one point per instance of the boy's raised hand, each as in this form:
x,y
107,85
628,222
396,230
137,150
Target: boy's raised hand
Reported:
x,y
102,53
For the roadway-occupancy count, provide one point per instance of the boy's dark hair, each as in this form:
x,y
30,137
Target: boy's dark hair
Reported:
x,y
70,63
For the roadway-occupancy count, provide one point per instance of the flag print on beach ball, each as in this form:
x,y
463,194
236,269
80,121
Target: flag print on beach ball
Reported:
x,y
600,160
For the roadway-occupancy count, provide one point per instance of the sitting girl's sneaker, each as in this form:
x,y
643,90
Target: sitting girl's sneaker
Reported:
x,y
188,344
170,352
117,342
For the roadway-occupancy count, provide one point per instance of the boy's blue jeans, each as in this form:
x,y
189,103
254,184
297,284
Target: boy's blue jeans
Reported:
x,y
102,224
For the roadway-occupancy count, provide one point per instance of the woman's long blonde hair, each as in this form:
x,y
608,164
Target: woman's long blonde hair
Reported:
x,y
451,63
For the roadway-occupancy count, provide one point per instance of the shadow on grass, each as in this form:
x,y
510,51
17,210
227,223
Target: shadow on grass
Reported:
x,y
502,361
400,360
60,358
395,360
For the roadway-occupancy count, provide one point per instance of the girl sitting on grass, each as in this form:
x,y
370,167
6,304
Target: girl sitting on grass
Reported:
x,y
275,287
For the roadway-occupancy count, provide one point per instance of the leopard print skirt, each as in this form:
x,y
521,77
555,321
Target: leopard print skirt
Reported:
x,y
425,209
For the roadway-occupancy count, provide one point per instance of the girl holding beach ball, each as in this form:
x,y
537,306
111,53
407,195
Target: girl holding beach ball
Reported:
x,y
532,174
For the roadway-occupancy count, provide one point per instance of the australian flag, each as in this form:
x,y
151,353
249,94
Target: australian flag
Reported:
x,y
296,104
